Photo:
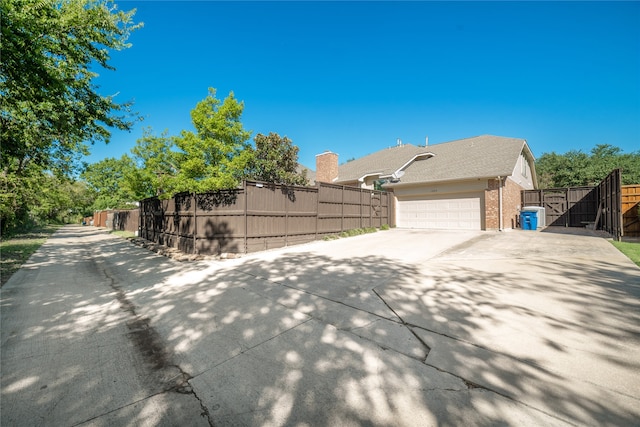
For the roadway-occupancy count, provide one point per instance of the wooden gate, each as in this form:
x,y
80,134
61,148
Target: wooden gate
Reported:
x,y
631,210
610,206
565,207
600,206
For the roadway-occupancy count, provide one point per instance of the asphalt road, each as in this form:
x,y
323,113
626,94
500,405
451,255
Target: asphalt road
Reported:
x,y
394,328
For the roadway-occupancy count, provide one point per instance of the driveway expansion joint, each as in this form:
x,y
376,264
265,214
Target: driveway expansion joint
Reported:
x,y
405,324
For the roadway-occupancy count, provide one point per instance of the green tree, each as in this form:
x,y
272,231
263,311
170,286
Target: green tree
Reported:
x,y
576,168
108,180
50,108
275,159
67,200
156,164
50,105
217,155
39,197
17,195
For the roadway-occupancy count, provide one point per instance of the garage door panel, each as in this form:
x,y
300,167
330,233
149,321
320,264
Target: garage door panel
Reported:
x,y
460,213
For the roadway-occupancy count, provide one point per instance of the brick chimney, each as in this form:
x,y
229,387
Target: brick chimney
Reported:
x,y
326,167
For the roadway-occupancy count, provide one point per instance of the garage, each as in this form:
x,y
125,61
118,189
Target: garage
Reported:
x,y
462,212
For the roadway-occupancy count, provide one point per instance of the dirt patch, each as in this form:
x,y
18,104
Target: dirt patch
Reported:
x,y
176,254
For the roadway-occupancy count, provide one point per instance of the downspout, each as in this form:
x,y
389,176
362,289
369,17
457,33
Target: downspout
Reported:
x,y
500,227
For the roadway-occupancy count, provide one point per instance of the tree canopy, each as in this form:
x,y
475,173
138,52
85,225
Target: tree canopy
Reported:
x,y
576,168
217,154
50,105
109,183
155,165
51,109
275,160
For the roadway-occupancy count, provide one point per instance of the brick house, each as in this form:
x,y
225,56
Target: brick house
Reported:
x,y
471,183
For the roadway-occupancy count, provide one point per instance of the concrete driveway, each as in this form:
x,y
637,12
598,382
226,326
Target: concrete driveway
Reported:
x,y
401,327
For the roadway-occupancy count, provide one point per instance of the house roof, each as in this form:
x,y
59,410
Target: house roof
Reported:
x,y
310,174
478,157
383,162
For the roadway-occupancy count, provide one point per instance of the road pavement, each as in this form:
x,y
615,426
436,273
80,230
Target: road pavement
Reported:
x,y
400,327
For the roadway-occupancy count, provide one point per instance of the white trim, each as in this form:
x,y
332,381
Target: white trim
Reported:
x,y
414,158
365,176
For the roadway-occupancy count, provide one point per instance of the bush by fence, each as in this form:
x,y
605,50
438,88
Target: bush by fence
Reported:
x,y
260,216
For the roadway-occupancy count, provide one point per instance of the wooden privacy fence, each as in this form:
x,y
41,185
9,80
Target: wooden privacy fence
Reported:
x,y
631,210
260,216
565,207
600,206
122,219
609,214
126,220
100,218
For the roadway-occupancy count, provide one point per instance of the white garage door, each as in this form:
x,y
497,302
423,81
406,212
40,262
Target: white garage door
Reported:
x,y
460,213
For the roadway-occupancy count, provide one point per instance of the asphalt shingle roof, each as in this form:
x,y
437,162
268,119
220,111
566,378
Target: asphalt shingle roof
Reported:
x,y
384,162
478,157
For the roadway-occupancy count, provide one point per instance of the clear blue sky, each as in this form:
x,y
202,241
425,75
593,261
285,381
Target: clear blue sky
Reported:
x,y
354,77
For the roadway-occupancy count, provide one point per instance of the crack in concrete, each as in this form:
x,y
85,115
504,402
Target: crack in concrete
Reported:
x,y
243,351
474,386
363,326
407,325
399,320
205,411
312,294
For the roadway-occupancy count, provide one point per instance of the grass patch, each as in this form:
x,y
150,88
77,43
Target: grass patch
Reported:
x,y
123,234
353,232
16,250
330,237
630,249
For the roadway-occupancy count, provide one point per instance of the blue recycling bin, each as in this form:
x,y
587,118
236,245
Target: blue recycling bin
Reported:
x,y
529,220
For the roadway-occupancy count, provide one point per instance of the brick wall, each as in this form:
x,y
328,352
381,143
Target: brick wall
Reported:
x,y
491,212
511,199
510,204
326,167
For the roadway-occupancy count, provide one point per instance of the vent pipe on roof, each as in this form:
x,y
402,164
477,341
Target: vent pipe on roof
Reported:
x,y
500,225
426,141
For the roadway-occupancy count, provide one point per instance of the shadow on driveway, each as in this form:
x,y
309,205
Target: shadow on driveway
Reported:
x,y
316,336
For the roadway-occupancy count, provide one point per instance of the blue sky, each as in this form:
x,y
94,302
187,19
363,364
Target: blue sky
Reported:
x,y
353,77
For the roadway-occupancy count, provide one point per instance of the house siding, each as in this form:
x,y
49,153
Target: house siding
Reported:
x,y
522,172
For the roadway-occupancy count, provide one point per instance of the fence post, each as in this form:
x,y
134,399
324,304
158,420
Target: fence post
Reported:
x,y
361,209
286,216
370,193
317,209
195,222
342,213
246,225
